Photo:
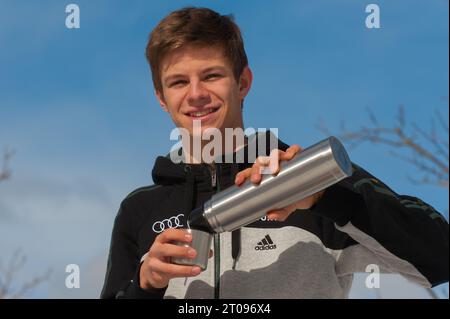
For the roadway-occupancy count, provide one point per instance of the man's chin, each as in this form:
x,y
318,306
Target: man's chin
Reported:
x,y
201,129
207,132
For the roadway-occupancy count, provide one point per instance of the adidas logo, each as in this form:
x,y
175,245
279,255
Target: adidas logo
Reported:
x,y
265,244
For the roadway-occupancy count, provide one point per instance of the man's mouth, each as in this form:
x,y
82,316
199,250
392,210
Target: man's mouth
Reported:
x,y
202,113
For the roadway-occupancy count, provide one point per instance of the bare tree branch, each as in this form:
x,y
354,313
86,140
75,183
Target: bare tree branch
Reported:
x,y
442,122
432,138
30,285
9,283
429,150
5,172
372,117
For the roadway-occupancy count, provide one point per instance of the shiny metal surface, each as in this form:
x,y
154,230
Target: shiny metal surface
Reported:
x,y
201,242
309,172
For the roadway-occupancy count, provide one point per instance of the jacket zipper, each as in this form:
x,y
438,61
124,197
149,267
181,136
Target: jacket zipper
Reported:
x,y
216,183
216,266
213,176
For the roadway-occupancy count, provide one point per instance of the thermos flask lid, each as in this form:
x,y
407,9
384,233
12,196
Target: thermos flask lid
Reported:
x,y
340,155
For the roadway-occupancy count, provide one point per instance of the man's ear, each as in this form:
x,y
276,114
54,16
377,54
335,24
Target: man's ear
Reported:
x,y
161,100
245,82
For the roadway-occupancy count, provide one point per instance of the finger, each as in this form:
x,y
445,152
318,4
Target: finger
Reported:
x,y
171,250
274,164
211,253
172,234
260,162
158,277
173,270
290,152
242,176
278,215
263,160
295,148
273,215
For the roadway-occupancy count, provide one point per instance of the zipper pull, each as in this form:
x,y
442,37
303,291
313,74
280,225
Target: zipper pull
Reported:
x,y
213,176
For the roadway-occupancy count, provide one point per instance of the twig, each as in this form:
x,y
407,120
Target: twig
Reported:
x,y
5,172
429,151
10,274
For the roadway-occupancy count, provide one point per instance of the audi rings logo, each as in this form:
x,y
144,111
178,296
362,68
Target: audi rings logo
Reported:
x,y
172,222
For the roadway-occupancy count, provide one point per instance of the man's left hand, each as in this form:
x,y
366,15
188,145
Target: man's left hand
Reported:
x,y
273,164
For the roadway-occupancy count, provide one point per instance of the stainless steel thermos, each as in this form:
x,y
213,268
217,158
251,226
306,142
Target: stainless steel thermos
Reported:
x,y
310,171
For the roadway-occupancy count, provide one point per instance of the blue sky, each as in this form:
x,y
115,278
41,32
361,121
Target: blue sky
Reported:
x,y
77,106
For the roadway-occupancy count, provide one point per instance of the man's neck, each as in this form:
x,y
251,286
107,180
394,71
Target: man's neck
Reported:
x,y
207,151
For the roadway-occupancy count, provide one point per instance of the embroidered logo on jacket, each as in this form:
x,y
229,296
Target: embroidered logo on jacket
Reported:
x,y
265,244
172,222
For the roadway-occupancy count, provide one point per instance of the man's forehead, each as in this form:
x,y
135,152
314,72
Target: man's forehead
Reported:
x,y
194,56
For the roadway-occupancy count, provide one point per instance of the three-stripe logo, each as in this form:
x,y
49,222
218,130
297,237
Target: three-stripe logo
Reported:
x,y
265,244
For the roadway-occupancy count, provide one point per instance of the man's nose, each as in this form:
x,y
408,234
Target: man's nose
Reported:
x,y
197,94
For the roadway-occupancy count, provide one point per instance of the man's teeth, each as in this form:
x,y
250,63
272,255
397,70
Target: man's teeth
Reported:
x,y
201,113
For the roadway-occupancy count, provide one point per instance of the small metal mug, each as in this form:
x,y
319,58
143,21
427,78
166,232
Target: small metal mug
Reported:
x,y
201,242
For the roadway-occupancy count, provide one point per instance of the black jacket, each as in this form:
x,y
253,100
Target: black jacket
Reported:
x,y
358,222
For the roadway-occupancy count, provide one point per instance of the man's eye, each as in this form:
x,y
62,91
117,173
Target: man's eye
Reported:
x,y
213,76
177,83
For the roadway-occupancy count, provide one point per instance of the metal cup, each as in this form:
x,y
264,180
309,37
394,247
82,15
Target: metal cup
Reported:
x,y
201,242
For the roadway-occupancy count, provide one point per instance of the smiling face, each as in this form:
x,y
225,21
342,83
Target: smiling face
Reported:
x,y
198,84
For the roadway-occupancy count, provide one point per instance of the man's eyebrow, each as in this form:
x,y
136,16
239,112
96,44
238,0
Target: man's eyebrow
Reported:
x,y
214,68
179,75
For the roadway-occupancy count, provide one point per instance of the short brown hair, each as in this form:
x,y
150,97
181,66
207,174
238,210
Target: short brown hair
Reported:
x,y
196,26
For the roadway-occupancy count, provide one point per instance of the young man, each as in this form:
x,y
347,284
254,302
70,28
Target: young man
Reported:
x,y
307,250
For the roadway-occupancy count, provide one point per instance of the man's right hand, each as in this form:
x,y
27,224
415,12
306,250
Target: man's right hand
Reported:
x,y
157,269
